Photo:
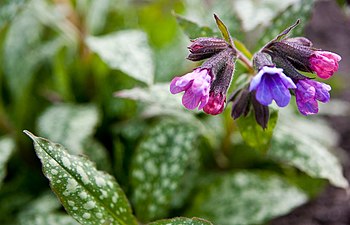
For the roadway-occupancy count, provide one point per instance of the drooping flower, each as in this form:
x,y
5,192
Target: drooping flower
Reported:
x,y
215,104
324,63
196,86
307,94
272,84
242,100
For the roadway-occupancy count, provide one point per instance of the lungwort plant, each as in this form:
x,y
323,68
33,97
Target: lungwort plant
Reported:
x,y
92,84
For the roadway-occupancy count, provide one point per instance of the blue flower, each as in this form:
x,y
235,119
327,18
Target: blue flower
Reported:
x,y
272,84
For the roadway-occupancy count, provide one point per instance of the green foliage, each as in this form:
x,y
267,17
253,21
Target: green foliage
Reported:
x,y
301,10
131,46
160,167
70,125
253,134
61,63
299,146
246,198
89,195
7,146
182,221
192,30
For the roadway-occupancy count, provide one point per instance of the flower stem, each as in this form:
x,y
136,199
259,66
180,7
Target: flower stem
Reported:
x,y
245,61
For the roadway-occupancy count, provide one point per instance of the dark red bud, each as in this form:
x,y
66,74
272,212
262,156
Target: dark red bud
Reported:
x,y
203,48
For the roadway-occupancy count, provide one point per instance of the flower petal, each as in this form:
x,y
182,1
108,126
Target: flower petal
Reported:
x,y
263,92
191,100
279,92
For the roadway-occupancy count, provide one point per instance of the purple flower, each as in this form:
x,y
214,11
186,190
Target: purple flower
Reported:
x,y
196,86
324,63
215,103
307,94
272,84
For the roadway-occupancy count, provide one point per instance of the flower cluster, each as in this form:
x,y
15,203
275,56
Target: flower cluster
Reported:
x,y
206,86
278,75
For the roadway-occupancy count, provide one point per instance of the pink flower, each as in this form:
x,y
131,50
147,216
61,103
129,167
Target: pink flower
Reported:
x,y
215,104
196,86
324,63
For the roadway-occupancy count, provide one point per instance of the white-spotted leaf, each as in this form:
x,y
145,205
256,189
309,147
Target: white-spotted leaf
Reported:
x,y
69,124
160,168
306,145
246,198
159,101
182,221
49,219
7,146
92,197
127,51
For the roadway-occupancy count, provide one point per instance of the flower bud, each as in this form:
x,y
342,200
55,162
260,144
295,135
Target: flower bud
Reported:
x,y
240,103
261,59
203,48
261,112
222,68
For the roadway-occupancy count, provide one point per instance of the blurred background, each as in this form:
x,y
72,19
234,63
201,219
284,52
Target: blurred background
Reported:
x,y
63,61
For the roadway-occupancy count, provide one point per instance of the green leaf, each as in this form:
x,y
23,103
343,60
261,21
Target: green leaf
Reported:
x,y
90,196
223,8
300,10
98,154
27,45
253,134
9,9
306,145
97,16
158,99
181,221
127,51
193,30
69,124
246,198
7,147
45,203
242,48
223,29
163,161
52,219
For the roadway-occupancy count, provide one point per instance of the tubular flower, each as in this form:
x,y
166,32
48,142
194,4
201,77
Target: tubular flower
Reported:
x,y
196,86
215,104
272,84
324,63
308,92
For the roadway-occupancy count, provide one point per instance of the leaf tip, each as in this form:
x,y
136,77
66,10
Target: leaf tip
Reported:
x,y
28,133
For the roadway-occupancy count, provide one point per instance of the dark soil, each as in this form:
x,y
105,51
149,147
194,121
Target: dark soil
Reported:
x,y
329,29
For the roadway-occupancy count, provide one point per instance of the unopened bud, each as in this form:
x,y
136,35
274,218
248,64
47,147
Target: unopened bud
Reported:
x,y
241,103
203,48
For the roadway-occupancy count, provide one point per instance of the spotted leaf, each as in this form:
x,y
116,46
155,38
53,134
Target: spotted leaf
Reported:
x,y
69,124
182,221
165,162
307,146
92,197
246,198
127,51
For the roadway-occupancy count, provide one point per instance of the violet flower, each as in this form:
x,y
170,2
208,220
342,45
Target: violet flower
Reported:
x,y
307,94
272,84
196,86
324,63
